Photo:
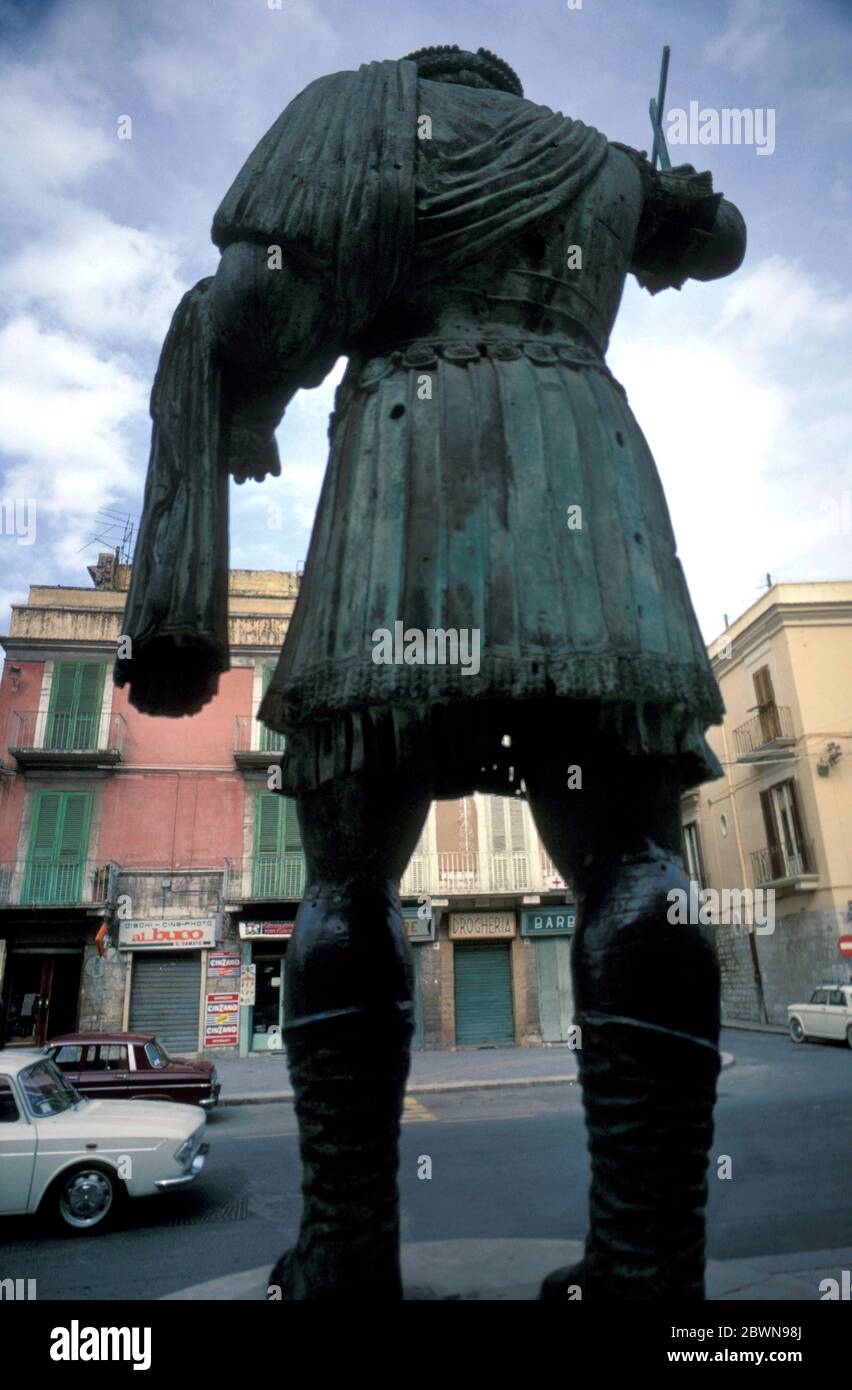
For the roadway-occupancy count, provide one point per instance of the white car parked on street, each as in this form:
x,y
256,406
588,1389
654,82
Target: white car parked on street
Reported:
x,y
828,1014
77,1158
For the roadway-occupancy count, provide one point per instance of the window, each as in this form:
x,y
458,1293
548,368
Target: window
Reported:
x,y
819,996
9,1113
112,1057
68,1057
46,1091
73,720
157,1055
836,997
270,740
788,848
693,861
767,710
279,864
58,842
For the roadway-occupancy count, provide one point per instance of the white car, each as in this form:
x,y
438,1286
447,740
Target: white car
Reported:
x,y
77,1158
828,1014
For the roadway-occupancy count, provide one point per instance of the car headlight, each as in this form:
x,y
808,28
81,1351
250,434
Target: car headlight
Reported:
x,y
214,1077
184,1153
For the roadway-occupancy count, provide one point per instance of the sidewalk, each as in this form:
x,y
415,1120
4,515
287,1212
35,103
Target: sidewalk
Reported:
x,y
265,1078
512,1270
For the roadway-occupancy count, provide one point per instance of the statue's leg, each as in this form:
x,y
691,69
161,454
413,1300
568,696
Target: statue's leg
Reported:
x,y
349,1019
646,992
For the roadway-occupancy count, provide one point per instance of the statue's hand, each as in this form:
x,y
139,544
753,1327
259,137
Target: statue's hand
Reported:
x,y
252,454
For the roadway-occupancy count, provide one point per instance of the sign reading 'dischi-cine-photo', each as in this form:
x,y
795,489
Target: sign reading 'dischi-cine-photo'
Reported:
x,y
475,926
170,934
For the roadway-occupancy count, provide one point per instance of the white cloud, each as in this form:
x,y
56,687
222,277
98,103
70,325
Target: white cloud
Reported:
x,y
63,417
98,277
44,121
750,42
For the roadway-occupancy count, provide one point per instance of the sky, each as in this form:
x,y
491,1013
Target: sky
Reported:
x,y
740,385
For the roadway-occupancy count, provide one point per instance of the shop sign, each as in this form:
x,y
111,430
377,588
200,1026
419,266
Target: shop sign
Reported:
x,y
251,931
475,926
548,921
221,1020
225,964
170,934
419,922
248,984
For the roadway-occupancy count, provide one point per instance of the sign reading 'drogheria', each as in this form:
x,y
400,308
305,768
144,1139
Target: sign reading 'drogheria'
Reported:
x,y
474,926
170,934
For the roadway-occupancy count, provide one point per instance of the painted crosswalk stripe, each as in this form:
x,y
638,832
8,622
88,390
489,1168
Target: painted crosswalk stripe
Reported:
x,y
416,1110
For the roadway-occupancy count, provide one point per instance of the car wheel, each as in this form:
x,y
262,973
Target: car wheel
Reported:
x,y
797,1032
85,1200
849,1035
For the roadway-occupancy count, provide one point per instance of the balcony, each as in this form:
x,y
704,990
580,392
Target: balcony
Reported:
x,y
254,744
39,883
785,870
769,733
38,738
269,877
457,873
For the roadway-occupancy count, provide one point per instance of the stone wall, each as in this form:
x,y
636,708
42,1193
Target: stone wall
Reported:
x,y
800,954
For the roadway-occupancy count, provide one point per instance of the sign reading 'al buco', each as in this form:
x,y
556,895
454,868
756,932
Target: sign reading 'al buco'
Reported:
x,y
475,926
548,921
170,934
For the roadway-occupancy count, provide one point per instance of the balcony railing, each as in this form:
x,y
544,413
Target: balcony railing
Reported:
x,y
770,730
269,876
39,883
779,865
40,736
455,872
253,741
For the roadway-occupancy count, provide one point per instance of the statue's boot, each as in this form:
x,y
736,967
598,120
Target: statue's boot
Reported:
x,y
349,1013
647,1002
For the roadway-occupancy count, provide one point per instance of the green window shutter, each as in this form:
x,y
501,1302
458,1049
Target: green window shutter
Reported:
x,y
61,714
75,704
268,822
90,687
58,843
292,833
270,740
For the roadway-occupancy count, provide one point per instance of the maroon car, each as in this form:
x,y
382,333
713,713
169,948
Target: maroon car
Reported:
x,y
132,1066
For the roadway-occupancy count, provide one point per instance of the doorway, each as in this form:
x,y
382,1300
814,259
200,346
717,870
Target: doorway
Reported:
x,y
43,998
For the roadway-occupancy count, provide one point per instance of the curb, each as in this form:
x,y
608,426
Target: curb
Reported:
x,y
432,1087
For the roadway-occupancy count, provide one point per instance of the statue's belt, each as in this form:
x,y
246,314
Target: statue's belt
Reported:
x,y
422,354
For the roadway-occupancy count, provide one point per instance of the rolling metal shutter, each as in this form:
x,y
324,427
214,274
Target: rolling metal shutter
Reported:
x,y
483,991
165,990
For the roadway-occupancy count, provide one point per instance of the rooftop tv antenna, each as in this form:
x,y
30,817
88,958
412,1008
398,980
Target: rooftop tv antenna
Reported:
x,y
116,532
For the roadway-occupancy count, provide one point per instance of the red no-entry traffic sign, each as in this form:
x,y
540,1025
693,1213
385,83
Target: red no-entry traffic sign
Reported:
x,y
844,945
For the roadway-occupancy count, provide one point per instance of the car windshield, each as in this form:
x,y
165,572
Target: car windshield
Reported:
x,y
157,1054
46,1090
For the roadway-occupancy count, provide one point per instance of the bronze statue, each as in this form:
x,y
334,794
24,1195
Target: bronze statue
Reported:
x,y
466,249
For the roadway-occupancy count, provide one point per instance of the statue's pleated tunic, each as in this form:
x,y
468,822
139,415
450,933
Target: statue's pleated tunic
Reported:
x,y
486,472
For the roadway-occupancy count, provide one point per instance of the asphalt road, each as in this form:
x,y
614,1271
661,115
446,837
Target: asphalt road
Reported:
x,y
504,1163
